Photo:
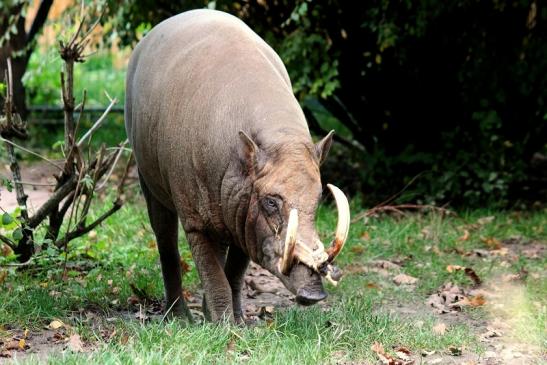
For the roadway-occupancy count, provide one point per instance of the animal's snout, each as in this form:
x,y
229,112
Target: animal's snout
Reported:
x,y
308,285
309,296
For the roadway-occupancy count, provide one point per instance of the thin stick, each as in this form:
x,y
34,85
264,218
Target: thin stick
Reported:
x,y
31,152
97,123
7,241
113,166
18,264
30,183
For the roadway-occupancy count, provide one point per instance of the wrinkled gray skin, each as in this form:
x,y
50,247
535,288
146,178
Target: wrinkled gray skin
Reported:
x,y
193,83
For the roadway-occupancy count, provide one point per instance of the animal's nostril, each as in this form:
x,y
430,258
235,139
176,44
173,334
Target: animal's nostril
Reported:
x,y
305,296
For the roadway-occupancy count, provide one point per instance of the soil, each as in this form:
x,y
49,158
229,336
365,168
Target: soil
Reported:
x,y
36,172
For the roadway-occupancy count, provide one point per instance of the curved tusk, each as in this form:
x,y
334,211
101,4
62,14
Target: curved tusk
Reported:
x,y
342,227
290,243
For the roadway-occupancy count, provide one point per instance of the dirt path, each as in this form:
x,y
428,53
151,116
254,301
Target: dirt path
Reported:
x,y
40,173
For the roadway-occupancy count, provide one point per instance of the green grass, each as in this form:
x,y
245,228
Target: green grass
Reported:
x,y
358,314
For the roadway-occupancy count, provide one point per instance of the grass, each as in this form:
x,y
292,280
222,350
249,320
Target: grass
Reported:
x,y
102,267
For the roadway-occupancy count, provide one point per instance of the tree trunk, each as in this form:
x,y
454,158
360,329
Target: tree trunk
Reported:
x,y
15,49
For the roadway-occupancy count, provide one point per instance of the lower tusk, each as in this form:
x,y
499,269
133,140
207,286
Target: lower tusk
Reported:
x,y
342,227
329,278
290,243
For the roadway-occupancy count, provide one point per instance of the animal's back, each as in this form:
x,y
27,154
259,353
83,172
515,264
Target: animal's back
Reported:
x,y
193,82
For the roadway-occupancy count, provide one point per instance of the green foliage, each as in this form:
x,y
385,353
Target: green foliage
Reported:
x,y
451,91
96,75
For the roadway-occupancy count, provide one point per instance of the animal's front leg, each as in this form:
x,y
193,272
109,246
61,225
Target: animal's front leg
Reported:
x,y
236,265
215,284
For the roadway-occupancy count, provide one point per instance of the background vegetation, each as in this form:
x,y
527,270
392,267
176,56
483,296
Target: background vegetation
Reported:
x,y
452,91
447,95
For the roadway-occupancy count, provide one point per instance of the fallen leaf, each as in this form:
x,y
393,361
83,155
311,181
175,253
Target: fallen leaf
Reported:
x,y
472,275
141,316
358,250
3,276
372,286
454,351
56,325
472,301
485,220
445,299
491,242
467,270
184,266
477,300
384,264
403,353
92,235
465,236
404,279
425,353
18,344
503,251
231,346
387,359
439,329
490,333
75,343
510,277
365,236
453,268
427,233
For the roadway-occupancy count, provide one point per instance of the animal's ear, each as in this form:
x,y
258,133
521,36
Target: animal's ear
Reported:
x,y
323,146
250,153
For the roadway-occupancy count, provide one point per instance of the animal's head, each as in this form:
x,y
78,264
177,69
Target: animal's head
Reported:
x,y
280,233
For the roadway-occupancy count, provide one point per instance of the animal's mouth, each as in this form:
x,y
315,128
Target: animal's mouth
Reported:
x,y
316,258
311,289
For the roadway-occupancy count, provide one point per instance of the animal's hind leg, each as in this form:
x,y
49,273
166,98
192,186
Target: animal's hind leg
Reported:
x,y
165,225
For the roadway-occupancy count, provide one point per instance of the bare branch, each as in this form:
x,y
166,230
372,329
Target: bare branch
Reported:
x,y
31,183
97,124
399,210
53,202
118,155
7,241
80,231
31,152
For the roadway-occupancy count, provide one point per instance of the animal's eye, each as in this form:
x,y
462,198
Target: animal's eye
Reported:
x,y
270,204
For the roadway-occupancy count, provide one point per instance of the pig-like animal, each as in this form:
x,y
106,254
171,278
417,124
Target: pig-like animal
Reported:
x,y
222,145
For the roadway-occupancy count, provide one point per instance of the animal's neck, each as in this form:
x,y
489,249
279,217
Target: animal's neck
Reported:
x,y
235,198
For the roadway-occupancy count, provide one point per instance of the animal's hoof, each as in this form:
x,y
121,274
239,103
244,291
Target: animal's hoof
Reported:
x,y
306,296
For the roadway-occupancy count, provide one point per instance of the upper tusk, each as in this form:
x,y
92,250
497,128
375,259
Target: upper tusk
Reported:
x,y
290,242
342,227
